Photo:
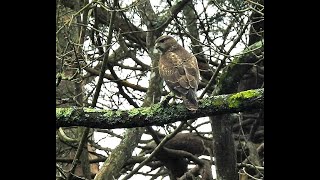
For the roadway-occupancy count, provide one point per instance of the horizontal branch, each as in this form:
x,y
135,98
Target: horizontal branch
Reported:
x,y
157,114
132,160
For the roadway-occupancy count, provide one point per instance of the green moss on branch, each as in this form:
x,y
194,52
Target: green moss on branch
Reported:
x,y
236,99
159,115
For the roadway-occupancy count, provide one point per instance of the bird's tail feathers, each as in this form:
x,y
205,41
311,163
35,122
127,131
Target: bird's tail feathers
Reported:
x,y
190,100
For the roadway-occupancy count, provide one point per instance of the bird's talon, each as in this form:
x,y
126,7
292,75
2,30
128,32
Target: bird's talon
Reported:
x,y
166,100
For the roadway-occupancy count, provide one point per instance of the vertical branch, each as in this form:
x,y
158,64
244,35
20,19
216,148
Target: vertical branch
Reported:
x,y
191,19
78,153
96,95
77,35
225,153
221,128
123,151
120,155
106,56
140,23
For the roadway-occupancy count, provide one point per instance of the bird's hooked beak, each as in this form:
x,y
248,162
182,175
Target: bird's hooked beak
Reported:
x,y
157,48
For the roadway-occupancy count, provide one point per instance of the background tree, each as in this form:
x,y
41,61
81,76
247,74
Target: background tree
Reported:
x,y
105,60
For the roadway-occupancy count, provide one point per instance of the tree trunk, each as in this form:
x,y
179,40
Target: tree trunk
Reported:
x,y
224,148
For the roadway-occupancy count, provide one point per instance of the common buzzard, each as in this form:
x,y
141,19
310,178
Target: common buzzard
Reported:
x,y
179,69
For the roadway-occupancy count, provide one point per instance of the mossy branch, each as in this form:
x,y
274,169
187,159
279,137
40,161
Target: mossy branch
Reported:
x,y
159,115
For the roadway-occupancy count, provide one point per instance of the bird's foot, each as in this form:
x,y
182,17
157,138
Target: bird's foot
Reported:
x,y
166,100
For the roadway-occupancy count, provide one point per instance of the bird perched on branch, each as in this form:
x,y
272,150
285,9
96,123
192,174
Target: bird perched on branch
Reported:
x,y
179,69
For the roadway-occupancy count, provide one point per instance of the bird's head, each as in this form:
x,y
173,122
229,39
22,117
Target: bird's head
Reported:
x,y
164,43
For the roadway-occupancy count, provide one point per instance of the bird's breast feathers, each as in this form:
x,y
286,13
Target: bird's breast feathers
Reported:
x,y
182,69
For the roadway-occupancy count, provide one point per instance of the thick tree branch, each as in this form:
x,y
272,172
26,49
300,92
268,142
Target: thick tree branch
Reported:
x,y
124,26
171,13
158,115
225,155
233,73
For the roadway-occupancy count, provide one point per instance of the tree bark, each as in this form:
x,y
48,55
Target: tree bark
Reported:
x,y
224,148
115,162
67,89
157,114
225,154
120,155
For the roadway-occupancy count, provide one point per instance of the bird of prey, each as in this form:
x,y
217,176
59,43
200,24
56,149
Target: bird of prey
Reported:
x,y
179,69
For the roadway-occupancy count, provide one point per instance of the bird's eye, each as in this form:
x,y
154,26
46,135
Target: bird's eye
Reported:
x,y
162,40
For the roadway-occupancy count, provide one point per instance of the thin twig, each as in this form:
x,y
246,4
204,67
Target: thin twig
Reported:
x,y
105,60
156,150
120,88
214,76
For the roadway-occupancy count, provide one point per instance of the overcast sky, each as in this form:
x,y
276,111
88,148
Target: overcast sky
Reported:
x,y
111,142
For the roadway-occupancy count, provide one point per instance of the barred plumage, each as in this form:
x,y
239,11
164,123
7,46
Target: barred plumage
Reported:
x,y
179,69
